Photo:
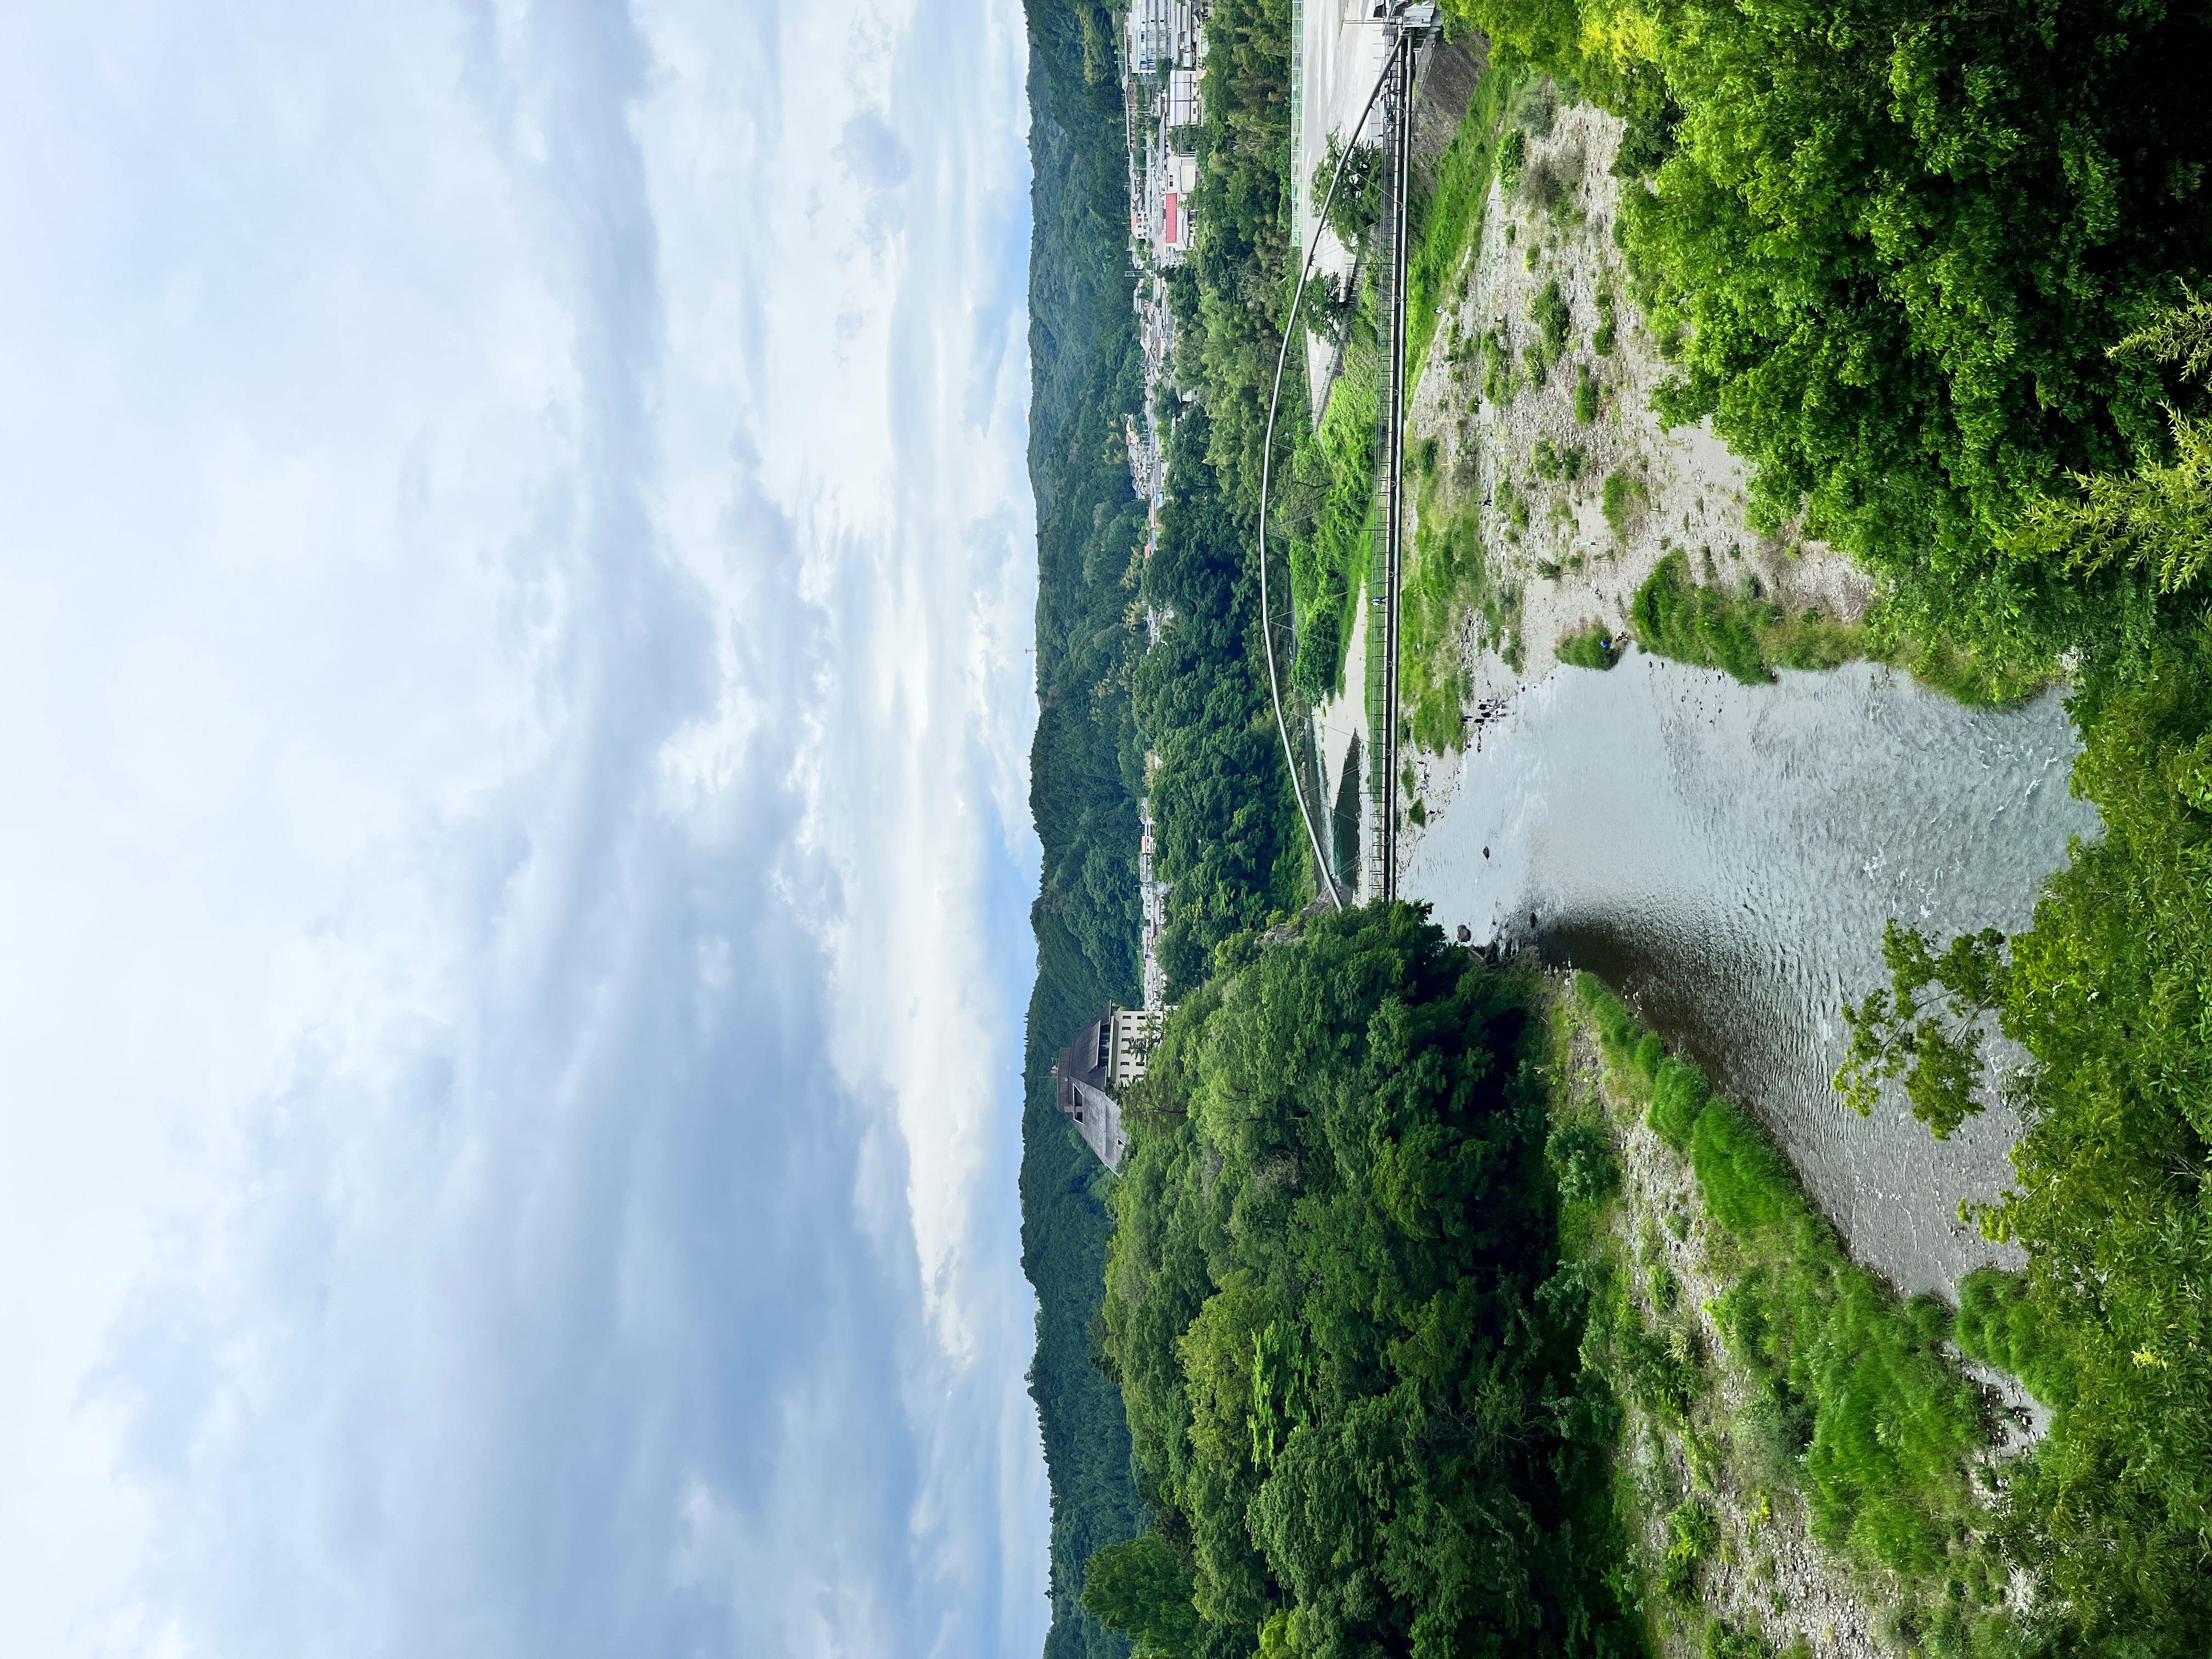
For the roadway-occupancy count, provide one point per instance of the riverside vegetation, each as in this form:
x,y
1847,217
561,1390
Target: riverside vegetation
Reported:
x,y
1409,1371
1932,274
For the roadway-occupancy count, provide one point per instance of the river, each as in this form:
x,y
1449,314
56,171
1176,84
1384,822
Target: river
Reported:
x,y
1725,856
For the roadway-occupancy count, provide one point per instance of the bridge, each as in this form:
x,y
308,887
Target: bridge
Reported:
x,y
1409,25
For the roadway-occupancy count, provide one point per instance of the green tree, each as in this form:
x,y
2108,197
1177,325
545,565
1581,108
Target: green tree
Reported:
x,y
1140,1588
1349,1401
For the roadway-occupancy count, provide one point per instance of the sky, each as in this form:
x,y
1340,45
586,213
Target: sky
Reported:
x,y
516,568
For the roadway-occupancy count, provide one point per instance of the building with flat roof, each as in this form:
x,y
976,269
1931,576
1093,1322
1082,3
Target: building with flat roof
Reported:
x,y
1182,109
1151,36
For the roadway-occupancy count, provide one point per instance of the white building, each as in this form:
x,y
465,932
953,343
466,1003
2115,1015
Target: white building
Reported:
x,y
1181,109
1107,1057
1151,36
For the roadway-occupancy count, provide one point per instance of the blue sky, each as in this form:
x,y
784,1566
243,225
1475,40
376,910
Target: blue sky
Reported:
x,y
518,565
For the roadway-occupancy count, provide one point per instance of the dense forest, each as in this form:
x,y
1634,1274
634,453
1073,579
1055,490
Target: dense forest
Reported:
x,y
1230,296
1225,828
1084,765
1350,1368
1226,824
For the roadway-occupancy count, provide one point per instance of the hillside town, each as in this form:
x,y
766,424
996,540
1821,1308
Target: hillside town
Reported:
x,y
1164,60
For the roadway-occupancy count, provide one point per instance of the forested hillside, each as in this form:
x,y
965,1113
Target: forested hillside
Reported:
x,y
1349,1363
1226,828
1224,820
1083,767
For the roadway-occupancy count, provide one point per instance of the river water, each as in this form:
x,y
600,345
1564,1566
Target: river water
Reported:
x,y
1725,856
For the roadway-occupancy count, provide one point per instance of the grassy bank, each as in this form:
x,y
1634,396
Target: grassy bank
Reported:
x,y
1740,630
1452,219
1447,579
1333,469
1776,1393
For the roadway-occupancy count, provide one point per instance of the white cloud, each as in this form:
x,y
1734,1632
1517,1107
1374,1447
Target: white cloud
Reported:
x,y
521,860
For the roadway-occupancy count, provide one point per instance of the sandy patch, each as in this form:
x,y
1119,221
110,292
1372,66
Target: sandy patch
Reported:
x,y
1567,568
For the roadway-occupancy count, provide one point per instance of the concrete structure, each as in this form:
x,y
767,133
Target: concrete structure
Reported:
x,y
1182,109
1107,1057
1151,37
1173,228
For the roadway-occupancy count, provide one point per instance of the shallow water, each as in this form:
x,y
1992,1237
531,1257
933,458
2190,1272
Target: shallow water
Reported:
x,y
1725,856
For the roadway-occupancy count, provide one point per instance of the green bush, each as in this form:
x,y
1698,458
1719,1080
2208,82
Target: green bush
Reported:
x,y
1623,495
1548,310
1675,617
1616,1026
1581,1162
1726,1641
1748,1187
1592,646
2000,1325
1548,459
1586,391
1776,1428
1647,1057
1534,109
1678,1097
1691,1535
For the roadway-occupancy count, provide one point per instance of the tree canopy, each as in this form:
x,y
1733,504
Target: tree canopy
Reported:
x,y
1890,243
1331,1306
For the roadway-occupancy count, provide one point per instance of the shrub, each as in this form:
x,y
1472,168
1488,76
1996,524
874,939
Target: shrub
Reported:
x,y
1725,1641
1590,646
1622,495
1548,310
1581,1162
1679,1095
1535,109
1674,617
1586,391
1616,1027
1776,1428
1512,155
1497,377
1747,1185
1999,1326
1647,1057
1691,1535
1552,460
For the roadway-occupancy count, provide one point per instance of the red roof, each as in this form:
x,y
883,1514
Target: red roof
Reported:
x,y
1171,238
